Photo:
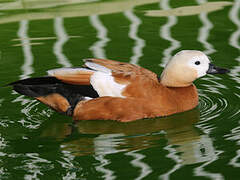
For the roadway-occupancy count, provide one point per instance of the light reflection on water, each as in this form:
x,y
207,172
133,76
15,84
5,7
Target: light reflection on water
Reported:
x,y
98,47
138,163
62,38
204,31
107,147
165,33
25,42
133,34
234,38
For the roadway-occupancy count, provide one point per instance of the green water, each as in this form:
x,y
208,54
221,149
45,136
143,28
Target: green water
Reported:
x,y
38,143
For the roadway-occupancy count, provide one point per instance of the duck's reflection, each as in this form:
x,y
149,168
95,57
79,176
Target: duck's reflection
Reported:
x,y
106,137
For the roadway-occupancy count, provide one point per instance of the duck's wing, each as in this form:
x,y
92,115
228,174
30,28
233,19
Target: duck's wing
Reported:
x,y
108,77
76,76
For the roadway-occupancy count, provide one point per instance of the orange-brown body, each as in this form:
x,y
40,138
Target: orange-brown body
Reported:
x,y
160,101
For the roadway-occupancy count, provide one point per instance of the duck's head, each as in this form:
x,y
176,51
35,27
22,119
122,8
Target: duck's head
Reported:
x,y
186,66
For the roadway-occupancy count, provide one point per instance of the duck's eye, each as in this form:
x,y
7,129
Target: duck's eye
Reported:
x,y
197,62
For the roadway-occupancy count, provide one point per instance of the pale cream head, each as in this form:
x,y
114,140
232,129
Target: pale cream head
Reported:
x,y
185,67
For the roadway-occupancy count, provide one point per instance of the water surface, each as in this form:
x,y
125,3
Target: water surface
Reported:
x,y
38,143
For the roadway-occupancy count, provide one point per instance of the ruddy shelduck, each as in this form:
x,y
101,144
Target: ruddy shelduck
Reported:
x,y
111,90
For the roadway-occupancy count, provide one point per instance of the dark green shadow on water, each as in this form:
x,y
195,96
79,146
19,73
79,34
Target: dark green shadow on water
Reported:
x,y
143,126
80,138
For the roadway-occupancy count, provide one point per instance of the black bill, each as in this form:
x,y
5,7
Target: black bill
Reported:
x,y
216,70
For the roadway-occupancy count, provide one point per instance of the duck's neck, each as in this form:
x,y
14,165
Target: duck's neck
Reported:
x,y
171,82
170,79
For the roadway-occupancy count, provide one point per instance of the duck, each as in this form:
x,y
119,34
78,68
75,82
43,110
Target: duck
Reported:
x,y
104,89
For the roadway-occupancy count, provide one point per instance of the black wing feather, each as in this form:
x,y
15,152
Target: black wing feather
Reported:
x,y
43,86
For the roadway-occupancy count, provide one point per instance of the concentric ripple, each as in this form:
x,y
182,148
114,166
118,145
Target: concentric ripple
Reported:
x,y
212,106
221,105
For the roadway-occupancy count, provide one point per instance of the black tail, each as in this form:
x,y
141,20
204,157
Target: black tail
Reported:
x,y
43,87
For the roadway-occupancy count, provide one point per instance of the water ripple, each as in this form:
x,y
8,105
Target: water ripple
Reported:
x,y
216,105
33,115
212,106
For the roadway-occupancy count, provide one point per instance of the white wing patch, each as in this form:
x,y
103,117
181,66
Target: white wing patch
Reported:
x,y
102,80
105,85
